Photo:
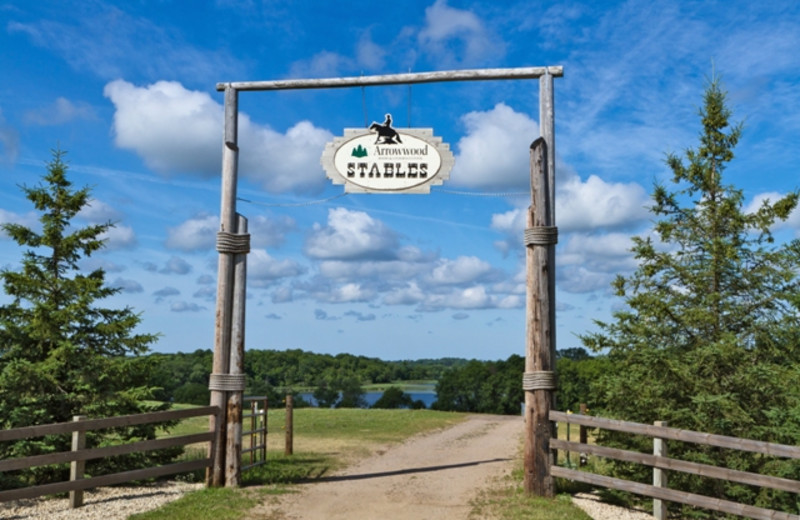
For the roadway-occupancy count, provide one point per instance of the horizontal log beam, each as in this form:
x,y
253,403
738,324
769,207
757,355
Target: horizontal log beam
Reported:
x,y
397,79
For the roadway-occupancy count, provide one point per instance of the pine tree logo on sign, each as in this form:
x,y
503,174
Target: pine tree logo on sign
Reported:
x,y
383,159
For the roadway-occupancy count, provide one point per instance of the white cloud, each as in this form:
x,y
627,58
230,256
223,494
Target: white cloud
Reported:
x,y
185,307
792,222
127,286
410,294
457,37
494,153
98,212
324,64
197,233
119,237
462,270
176,130
166,292
263,270
347,293
61,111
176,265
351,235
370,54
588,262
596,203
29,220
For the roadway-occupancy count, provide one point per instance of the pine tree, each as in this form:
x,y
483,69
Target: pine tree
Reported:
x,y
710,337
60,353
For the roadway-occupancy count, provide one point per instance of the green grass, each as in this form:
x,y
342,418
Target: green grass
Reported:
x,y
216,503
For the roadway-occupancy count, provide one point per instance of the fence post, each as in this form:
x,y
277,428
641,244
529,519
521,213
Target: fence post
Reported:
x,y
253,427
289,425
264,433
659,475
582,436
76,467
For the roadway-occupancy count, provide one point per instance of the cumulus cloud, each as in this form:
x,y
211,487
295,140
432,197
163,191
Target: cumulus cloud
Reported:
x,y
457,37
324,64
96,262
596,203
119,237
263,269
464,269
29,220
176,265
176,130
197,233
792,222
351,235
360,316
589,262
98,212
185,307
127,286
166,292
494,152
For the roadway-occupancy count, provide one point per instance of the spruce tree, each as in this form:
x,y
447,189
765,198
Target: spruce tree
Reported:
x,y
61,354
709,339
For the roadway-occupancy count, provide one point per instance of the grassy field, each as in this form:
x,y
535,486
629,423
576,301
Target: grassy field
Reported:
x,y
327,439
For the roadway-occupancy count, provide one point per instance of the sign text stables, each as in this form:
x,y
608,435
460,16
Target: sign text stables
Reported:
x,y
392,169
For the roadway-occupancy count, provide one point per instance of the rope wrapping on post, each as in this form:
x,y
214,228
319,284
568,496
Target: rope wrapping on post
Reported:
x,y
541,236
539,380
227,382
233,243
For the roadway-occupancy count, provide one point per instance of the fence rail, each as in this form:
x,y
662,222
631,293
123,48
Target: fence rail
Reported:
x,y
79,455
664,463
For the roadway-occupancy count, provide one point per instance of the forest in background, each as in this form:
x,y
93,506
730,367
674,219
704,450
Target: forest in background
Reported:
x,y
340,380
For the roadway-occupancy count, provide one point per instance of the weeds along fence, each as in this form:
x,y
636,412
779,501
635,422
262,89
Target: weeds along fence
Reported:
x,y
661,463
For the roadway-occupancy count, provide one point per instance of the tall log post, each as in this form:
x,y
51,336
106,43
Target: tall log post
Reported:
x,y
225,271
539,378
233,451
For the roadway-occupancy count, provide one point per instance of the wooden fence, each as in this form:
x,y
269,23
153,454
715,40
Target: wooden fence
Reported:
x,y
257,433
661,463
78,456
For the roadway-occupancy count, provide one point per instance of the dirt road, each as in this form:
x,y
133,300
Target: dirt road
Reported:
x,y
429,477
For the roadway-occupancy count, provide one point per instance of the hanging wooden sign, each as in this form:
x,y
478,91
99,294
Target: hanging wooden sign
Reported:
x,y
382,159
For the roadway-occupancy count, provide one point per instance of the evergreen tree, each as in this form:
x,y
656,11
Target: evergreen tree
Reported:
x,y
61,354
710,338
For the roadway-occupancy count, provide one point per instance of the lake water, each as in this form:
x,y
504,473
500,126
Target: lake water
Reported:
x,y
371,397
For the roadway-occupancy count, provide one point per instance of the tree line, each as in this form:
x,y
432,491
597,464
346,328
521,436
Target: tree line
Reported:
x,y
338,380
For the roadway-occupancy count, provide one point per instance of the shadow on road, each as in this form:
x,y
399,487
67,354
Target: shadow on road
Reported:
x,y
339,478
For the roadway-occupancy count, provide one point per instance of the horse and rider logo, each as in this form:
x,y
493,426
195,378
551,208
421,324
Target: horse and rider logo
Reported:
x,y
386,134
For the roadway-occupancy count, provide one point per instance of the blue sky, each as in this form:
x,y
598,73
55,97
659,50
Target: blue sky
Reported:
x,y
128,90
